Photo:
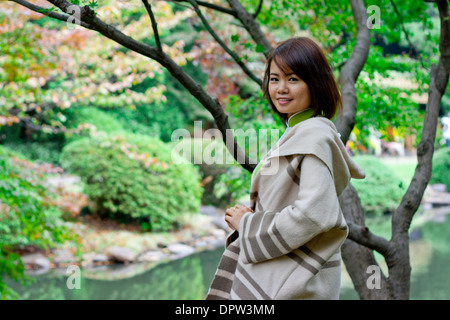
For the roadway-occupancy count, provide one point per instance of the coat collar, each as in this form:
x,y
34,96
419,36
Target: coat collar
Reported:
x,y
300,116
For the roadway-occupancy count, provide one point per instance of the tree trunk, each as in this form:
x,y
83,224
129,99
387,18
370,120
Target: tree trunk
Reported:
x,y
358,258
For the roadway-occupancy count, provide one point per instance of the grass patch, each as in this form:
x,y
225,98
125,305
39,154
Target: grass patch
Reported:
x,y
403,167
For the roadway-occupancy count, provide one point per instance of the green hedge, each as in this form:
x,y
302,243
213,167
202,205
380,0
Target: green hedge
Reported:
x,y
28,215
382,190
134,177
441,167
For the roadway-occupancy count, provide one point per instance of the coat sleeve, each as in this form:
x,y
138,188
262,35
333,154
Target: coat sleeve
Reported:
x,y
268,235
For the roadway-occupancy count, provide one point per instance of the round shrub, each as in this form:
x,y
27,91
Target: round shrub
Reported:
x,y
441,167
135,177
382,190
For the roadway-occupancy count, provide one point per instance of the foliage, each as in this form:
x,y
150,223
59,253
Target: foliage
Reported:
x,y
385,99
38,151
441,167
149,119
131,176
89,121
381,190
29,215
235,182
61,70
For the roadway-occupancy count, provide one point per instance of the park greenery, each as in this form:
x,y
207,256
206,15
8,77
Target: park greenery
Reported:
x,y
70,98
30,214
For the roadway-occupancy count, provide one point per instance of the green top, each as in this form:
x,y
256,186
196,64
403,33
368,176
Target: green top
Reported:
x,y
300,116
293,120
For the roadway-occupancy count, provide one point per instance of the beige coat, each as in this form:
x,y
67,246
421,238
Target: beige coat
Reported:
x,y
290,247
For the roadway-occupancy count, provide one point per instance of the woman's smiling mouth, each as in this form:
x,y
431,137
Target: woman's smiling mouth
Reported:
x,y
283,101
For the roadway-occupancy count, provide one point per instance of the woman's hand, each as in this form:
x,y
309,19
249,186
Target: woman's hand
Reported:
x,y
234,215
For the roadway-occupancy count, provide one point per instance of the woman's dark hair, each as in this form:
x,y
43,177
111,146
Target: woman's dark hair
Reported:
x,y
307,60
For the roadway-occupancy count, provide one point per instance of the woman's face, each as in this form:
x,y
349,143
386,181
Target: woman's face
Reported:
x,y
288,92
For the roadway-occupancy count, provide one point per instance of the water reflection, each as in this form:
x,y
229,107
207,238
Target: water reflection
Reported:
x,y
186,279
430,263
189,278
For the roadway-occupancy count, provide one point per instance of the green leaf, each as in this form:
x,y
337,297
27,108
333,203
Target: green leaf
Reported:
x,y
260,48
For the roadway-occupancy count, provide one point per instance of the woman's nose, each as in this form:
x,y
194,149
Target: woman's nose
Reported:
x,y
282,87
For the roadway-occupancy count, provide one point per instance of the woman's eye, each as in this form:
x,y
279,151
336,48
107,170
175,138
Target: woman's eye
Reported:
x,y
293,79
273,79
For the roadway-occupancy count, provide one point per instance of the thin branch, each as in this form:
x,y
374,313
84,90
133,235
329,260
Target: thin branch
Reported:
x,y
223,45
177,2
51,14
253,28
363,236
211,6
26,122
148,7
258,10
402,24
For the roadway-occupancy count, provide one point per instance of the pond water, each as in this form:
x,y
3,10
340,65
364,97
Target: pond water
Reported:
x,y
189,278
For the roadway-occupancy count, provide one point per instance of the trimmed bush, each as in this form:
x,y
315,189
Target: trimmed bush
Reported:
x,y
134,177
382,190
441,167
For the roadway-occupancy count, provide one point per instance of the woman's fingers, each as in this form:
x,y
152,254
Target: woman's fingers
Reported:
x,y
227,220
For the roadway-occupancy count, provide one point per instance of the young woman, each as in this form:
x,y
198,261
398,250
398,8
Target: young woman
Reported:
x,y
287,245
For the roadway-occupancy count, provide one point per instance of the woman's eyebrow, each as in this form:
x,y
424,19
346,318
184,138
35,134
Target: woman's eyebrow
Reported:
x,y
276,74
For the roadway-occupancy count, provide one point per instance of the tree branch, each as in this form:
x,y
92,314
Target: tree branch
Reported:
x,y
154,24
26,122
357,257
439,77
51,14
249,22
223,45
351,69
258,10
363,236
211,6
402,24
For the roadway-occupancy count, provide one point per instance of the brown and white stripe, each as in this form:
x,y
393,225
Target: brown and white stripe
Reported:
x,y
223,279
